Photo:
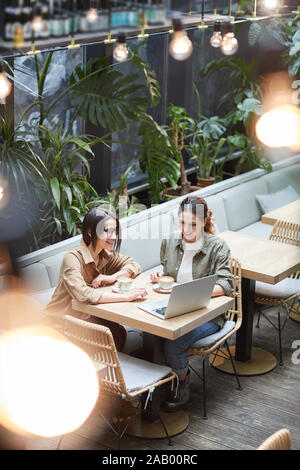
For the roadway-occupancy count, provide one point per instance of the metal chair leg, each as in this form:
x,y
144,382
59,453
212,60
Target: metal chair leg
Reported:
x,y
279,334
233,366
258,317
170,443
204,389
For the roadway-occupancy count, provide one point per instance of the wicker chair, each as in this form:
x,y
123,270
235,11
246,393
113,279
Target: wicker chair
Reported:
x,y
286,293
127,377
280,440
212,344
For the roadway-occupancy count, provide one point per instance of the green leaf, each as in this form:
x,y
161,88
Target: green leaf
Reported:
x,y
54,184
67,190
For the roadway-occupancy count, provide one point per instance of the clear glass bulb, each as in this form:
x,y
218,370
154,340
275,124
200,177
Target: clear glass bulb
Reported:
x,y
216,39
229,44
180,46
5,86
121,52
92,15
37,24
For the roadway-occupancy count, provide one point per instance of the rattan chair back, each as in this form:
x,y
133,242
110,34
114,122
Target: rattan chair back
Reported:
x,y
280,440
235,314
98,343
286,232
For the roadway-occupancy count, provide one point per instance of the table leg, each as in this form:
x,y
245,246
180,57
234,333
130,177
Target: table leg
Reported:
x,y
147,425
249,360
244,334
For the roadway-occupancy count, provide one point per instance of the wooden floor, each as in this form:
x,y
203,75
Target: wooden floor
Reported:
x,y
236,419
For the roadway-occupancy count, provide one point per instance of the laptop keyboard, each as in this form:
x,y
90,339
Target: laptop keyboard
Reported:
x,y
161,311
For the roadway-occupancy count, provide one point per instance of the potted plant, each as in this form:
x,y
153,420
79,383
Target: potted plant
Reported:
x,y
206,144
177,130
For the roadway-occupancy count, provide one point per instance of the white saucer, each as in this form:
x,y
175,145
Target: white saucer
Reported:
x,y
117,291
157,288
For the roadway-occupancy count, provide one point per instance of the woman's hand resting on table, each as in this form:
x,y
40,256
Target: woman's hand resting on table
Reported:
x,y
103,280
155,275
135,294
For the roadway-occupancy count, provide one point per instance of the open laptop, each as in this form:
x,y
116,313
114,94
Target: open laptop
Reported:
x,y
184,298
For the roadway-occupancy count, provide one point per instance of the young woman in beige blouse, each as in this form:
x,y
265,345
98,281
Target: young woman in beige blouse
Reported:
x,y
94,263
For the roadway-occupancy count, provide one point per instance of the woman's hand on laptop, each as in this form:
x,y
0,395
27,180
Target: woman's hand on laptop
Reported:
x,y
136,293
155,275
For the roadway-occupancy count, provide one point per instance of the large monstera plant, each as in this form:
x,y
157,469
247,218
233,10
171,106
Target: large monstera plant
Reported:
x,y
102,95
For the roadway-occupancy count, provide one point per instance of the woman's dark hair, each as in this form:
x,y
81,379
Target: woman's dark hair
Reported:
x,y
193,204
93,222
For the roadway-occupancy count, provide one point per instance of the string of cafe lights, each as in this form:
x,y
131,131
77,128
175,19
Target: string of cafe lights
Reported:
x,y
180,47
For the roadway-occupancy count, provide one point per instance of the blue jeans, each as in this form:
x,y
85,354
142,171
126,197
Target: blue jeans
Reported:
x,y
175,350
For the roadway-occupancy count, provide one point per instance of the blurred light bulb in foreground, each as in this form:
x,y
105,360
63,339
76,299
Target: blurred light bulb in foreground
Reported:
x,y
271,3
37,24
181,47
216,39
280,127
121,52
5,86
1,192
229,44
92,15
49,386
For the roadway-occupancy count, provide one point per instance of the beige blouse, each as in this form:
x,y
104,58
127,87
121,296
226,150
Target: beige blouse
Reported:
x,y
77,272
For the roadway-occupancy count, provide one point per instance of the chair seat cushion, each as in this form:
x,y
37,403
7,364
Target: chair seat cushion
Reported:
x,y
282,289
139,374
228,326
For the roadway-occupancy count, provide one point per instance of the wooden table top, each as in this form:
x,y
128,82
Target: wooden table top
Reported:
x,y
261,259
288,213
128,313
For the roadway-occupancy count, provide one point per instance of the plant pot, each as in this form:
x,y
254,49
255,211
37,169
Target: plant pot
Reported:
x,y
171,193
203,182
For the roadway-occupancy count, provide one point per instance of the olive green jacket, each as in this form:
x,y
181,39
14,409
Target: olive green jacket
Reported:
x,y
213,258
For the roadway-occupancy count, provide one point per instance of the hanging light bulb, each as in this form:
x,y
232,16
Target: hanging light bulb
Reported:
x,y
229,44
1,192
181,46
49,386
271,4
92,14
280,127
37,23
121,52
216,39
5,85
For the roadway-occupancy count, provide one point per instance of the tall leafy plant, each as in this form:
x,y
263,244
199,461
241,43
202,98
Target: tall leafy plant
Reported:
x,y
245,96
105,97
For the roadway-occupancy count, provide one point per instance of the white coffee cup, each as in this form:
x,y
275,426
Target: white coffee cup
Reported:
x,y
124,284
166,282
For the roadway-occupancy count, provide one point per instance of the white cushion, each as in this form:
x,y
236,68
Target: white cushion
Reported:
x,y
270,202
241,206
258,229
35,277
282,289
228,326
216,205
43,296
138,373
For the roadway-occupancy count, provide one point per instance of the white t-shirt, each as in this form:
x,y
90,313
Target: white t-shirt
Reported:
x,y
185,272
